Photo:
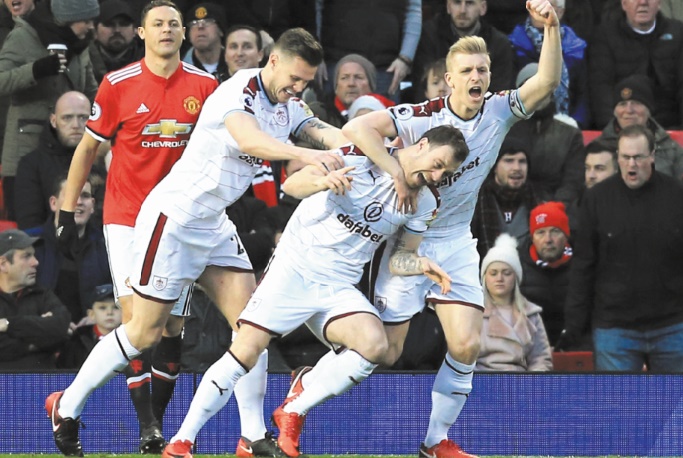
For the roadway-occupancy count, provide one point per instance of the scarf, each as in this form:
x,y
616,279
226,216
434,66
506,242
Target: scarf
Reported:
x,y
564,259
339,105
562,92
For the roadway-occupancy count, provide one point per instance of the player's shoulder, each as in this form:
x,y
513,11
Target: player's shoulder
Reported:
x,y
129,73
192,72
429,197
425,109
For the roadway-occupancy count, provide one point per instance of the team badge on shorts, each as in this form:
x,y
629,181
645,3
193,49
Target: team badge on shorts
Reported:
x,y
159,283
380,303
192,105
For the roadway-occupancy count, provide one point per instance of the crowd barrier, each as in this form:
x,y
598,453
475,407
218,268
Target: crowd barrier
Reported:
x,y
553,414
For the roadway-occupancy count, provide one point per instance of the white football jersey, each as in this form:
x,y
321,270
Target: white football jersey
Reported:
x,y
212,172
330,237
484,135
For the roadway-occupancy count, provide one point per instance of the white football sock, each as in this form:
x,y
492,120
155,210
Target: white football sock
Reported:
x,y
319,368
250,391
452,386
105,360
213,393
344,371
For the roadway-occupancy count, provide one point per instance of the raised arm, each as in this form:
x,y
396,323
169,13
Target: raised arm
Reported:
x,y
542,84
367,132
405,261
311,180
255,142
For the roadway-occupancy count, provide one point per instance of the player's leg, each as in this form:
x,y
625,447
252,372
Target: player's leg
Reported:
x,y
107,358
217,386
119,241
461,315
453,384
356,331
230,293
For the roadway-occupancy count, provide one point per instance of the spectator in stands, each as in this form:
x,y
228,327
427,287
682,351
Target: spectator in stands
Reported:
x,y
463,18
433,80
600,164
243,48
571,96
38,170
35,78
545,258
73,273
634,103
11,9
557,150
627,275
103,317
639,41
206,29
116,42
513,336
506,198
354,76
33,322
393,28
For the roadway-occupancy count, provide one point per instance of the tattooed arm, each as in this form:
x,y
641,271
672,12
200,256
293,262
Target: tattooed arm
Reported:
x,y
253,141
321,135
405,261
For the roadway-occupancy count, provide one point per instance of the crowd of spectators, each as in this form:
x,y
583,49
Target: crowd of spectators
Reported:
x,y
622,67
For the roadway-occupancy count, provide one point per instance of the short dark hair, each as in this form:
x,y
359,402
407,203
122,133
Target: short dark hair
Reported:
x,y
448,136
600,145
254,30
59,182
636,130
156,4
298,42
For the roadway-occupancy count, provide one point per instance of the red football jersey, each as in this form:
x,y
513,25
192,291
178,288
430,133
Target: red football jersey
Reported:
x,y
149,120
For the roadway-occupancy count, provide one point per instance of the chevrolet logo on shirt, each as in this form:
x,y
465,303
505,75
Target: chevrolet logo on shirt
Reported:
x,y
167,128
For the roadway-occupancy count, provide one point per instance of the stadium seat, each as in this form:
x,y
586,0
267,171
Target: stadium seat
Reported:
x,y
7,224
573,361
590,135
677,136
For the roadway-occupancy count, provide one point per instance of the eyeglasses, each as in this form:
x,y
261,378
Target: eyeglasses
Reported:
x,y
639,158
202,22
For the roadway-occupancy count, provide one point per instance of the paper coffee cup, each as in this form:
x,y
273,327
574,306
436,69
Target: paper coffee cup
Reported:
x,y
56,48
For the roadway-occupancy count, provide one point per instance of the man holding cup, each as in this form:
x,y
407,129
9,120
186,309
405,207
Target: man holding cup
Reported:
x,y
35,77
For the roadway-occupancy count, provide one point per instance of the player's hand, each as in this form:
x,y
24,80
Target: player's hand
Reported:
x,y
337,180
67,233
407,197
325,161
436,274
542,11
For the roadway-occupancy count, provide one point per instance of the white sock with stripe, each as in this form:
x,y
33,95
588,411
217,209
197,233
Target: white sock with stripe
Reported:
x,y
452,386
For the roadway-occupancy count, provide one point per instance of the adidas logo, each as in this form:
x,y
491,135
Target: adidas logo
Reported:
x,y
142,109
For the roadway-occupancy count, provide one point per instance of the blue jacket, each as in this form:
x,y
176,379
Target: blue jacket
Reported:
x,y
92,261
574,55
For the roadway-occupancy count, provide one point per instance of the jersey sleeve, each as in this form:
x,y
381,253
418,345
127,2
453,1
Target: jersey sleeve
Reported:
x,y
300,113
427,208
409,125
515,103
104,115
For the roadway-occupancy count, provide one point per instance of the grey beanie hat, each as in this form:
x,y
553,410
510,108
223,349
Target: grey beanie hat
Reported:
x,y
68,11
368,66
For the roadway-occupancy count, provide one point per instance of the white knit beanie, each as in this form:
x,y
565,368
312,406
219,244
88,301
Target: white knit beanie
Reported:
x,y
504,250
67,11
